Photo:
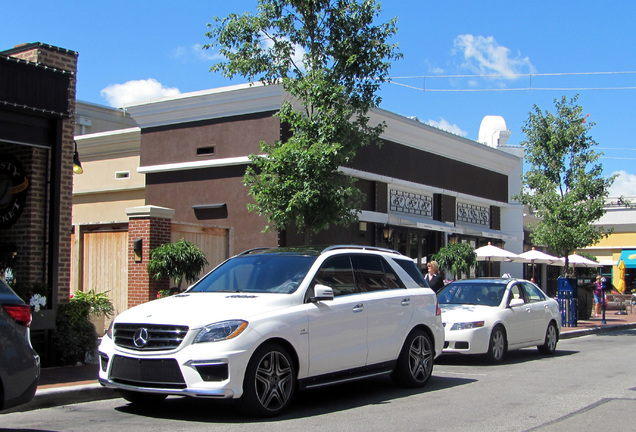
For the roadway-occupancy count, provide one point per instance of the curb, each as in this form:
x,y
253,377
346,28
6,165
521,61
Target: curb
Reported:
x,y
58,396
603,328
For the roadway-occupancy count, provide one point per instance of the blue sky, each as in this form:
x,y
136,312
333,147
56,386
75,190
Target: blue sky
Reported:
x,y
147,49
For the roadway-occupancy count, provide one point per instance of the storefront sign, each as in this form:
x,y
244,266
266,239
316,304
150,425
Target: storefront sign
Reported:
x,y
13,190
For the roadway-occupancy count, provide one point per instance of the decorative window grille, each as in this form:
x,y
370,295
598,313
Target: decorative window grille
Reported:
x,y
473,214
410,203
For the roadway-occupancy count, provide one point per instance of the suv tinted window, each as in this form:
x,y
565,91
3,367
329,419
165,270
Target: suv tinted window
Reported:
x,y
336,272
374,274
413,271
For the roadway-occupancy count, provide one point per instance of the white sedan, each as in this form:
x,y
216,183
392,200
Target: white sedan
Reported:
x,y
492,316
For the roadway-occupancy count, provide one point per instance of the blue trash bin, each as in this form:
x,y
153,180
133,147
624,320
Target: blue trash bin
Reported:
x,y
567,296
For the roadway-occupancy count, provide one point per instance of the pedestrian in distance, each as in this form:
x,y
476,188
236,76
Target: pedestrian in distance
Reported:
x,y
598,295
434,279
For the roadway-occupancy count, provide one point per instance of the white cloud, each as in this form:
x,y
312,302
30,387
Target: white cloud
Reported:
x,y
297,57
483,55
130,92
624,185
196,52
443,124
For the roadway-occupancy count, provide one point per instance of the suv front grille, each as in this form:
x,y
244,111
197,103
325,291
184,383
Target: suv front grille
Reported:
x,y
149,337
156,373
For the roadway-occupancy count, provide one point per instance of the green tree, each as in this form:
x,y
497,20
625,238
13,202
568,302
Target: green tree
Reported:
x,y
456,258
565,182
180,260
331,58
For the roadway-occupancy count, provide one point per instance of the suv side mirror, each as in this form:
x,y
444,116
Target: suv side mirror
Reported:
x,y
321,293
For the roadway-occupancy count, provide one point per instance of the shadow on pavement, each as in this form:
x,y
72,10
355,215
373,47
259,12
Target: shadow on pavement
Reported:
x,y
376,391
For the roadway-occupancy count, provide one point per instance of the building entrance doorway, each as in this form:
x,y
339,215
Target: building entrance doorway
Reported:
x,y
417,244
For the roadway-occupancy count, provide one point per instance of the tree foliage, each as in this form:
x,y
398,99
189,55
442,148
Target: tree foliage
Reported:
x,y
331,58
180,260
565,182
456,258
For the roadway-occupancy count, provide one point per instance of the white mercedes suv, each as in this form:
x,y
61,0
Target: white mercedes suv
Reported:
x,y
270,321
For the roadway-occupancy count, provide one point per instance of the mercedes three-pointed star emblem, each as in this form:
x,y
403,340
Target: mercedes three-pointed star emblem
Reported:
x,y
141,337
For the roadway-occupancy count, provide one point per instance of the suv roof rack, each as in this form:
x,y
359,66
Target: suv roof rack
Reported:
x,y
371,248
317,249
253,250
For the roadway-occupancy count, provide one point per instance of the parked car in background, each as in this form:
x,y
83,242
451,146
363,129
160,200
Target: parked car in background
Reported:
x,y
270,321
493,316
19,363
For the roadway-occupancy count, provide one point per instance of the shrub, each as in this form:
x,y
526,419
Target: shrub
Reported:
x,y
74,335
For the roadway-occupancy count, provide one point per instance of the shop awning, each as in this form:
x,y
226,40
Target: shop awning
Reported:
x,y
629,256
427,224
486,232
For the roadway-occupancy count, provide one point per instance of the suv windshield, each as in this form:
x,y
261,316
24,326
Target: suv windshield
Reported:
x,y
259,273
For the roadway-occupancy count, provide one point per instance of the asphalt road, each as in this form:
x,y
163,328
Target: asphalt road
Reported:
x,y
589,385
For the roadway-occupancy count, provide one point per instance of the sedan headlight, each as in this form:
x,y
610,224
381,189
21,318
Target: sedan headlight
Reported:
x,y
467,325
221,331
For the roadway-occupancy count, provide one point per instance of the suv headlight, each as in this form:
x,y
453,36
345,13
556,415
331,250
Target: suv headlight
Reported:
x,y
221,331
467,325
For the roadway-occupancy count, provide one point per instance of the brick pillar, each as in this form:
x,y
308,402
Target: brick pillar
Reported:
x,y
151,225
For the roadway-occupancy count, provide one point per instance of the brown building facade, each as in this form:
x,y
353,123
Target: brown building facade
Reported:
x,y
37,106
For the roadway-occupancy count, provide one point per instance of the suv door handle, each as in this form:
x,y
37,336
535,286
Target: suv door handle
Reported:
x,y
406,302
358,308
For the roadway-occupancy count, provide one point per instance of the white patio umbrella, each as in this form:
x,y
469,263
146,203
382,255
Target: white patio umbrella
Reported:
x,y
580,261
535,257
493,253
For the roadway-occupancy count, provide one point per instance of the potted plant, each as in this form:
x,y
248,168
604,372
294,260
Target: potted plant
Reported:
x,y
100,307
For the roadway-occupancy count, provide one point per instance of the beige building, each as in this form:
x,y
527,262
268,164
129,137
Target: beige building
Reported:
x,y
620,217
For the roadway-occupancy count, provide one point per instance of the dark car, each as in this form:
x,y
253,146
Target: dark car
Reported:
x,y
19,363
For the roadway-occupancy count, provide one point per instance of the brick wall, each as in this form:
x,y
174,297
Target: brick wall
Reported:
x,y
31,232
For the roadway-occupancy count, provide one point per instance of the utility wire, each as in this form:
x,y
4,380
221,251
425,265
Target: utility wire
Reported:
x,y
515,75
510,76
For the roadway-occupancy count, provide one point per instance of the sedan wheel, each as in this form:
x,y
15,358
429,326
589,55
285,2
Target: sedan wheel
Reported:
x,y
415,364
551,339
270,381
497,348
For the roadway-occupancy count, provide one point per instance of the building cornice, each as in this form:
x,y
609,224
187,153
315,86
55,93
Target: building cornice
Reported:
x,y
208,104
121,142
184,166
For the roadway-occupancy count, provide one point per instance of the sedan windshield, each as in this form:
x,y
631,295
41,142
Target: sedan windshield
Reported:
x,y
262,273
486,294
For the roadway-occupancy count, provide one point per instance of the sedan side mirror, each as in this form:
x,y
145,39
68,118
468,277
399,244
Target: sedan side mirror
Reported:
x,y
321,293
517,302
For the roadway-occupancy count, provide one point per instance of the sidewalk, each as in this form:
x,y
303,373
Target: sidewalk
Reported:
x,y
74,384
